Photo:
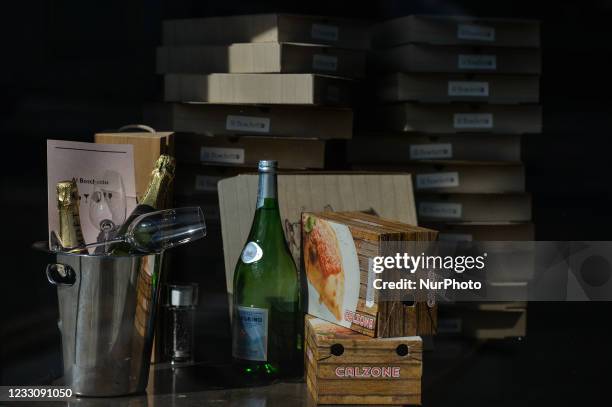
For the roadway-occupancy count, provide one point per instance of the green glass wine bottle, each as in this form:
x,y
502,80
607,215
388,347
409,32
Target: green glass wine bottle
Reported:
x,y
154,198
267,318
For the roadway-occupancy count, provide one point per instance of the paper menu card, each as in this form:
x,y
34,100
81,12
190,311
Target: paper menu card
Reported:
x,y
105,179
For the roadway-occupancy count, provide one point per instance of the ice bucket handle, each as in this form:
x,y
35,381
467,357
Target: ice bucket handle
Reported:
x,y
60,274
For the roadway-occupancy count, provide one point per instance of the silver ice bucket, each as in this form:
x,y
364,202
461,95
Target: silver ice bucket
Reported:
x,y
107,309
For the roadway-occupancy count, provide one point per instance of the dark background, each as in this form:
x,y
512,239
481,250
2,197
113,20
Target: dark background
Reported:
x,y
71,68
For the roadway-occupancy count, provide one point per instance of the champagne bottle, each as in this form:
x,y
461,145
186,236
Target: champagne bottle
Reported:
x,y
267,320
70,234
154,198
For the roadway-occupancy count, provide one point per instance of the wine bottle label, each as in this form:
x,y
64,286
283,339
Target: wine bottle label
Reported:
x,y
250,339
251,253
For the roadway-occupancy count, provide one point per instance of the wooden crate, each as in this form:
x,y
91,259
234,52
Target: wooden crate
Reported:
x,y
345,295
345,367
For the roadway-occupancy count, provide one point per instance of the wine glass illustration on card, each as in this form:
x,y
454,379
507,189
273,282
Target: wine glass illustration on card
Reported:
x,y
108,204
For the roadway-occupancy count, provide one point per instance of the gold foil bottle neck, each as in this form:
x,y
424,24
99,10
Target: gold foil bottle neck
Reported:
x,y
69,233
161,179
67,193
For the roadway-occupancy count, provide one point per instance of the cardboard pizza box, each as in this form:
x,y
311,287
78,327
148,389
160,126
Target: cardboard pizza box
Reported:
x,y
484,321
456,59
260,58
247,151
456,30
490,208
463,177
302,29
391,149
482,231
457,118
274,120
457,87
297,89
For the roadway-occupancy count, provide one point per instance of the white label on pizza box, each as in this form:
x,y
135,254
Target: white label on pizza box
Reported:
x,y
441,210
322,62
473,120
222,155
455,237
431,151
324,32
247,123
477,61
468,88
475,32
437,180
206,183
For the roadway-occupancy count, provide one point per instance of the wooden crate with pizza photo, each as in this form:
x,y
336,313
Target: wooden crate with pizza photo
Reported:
x,y
338,250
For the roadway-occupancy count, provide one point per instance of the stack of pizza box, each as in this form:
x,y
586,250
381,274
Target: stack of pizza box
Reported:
x,y
452,98
240,89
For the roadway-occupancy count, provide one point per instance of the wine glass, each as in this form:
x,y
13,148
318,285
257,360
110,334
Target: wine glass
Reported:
x,y
153,232
161,230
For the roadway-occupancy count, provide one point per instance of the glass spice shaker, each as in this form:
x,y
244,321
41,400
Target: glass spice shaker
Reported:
x,y
178,322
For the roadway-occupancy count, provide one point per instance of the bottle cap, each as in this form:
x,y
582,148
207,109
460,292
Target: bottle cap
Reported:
x,y
182,295
267,165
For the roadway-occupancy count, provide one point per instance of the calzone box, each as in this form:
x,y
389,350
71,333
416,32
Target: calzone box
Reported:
x,y
338,248
346,367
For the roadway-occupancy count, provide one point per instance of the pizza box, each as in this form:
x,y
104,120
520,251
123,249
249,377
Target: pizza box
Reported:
x,y
391,149
247,151
474,208
456,59
515,266
197,180
275,120
456,30
260,58
484,321
345,367
457,87
463,177
337,249
298,89
483,231
458,118
388,195
303,29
